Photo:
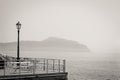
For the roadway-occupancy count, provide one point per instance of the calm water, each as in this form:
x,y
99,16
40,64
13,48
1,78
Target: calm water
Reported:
x,y
81,66
94,70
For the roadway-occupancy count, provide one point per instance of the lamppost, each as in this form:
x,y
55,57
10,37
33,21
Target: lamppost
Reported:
x,y
18,26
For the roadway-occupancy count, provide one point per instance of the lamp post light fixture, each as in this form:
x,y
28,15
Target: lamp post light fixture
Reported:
x,y
18,26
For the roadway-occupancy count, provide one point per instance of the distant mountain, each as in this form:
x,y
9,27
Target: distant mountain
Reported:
x,y
50,44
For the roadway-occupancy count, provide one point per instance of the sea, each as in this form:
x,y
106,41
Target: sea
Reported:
x,y
82,66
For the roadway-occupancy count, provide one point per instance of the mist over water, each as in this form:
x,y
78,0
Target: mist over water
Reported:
x,y
70,56
81,65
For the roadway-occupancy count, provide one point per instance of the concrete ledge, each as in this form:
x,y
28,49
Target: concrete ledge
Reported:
x,y
47,76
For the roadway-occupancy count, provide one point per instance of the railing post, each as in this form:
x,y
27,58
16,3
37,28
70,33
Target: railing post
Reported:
x,y
59,65
34,66
53,65
64,65
44,65
47,65
4,66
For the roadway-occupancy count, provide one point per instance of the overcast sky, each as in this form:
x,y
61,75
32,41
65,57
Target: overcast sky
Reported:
x,y
95,23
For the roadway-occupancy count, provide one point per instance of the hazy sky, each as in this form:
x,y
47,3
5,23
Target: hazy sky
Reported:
x,y
95,23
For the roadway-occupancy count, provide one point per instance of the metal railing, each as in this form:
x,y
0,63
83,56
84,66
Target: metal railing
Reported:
x,y
31,66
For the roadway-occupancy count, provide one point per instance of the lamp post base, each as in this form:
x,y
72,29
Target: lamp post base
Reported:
x,y
18,61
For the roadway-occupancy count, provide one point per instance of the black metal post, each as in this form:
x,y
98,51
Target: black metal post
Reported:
x,y
18,51
18,25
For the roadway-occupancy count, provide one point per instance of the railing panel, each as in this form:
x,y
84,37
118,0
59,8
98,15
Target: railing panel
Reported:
x,y
31,66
